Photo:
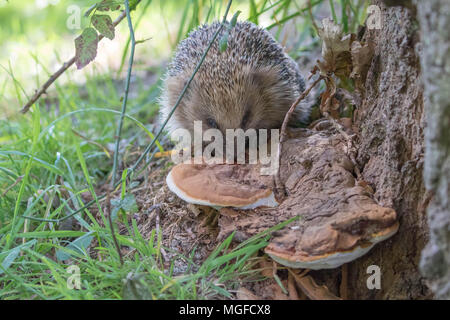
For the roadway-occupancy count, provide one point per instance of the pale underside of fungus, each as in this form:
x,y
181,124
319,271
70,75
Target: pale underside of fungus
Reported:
x,y
338,219
238,186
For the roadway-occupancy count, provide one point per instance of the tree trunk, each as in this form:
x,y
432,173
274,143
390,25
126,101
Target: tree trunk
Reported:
x,y
391,123
434,19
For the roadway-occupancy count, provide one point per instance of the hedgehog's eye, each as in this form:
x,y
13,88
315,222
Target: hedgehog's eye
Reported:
x,y
245,119
211,123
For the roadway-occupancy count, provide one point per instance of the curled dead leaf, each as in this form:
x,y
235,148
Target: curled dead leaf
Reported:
x,y
361,54
245,294
312,290
335,49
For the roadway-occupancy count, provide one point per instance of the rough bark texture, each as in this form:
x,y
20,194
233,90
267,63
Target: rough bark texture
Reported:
x,y
434,18
390,123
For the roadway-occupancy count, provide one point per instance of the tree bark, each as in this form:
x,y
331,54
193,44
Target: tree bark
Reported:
x,y
434,19
391,123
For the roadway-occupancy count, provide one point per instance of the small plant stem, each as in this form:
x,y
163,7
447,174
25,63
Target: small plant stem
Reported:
x,y
316,28
278,184
125,98
119,128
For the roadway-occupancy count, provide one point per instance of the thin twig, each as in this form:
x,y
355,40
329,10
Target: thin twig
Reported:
x,y
119,128
61,70
125,99
90,141
280,189
109,213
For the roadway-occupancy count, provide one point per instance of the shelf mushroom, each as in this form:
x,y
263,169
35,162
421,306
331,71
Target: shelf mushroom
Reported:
x,y
329,246
221,186
339,221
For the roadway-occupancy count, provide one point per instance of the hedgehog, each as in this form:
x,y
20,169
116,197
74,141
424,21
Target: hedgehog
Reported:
x,y
250,85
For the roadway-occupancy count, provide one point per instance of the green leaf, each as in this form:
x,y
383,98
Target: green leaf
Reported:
x,y
103,24
234,19
79,245
12,254
133,4
86,47
8,261
223,42
115,5
36,161
107,5
127,204
135,288
51,234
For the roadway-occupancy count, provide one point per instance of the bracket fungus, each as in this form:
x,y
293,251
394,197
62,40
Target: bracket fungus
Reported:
x,y
238,186
326,247
339,220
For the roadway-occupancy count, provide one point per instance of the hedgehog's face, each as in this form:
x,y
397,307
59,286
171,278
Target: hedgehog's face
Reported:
x,y
244,99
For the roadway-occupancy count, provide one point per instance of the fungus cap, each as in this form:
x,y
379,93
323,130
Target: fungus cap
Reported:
x,y
332,259
220,186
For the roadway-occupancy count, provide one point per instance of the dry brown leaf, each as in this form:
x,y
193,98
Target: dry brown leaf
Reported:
x,y
293,295
266,268
361,54
278,292
229,212
337,62
328,103
335,49
313,290
245,294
